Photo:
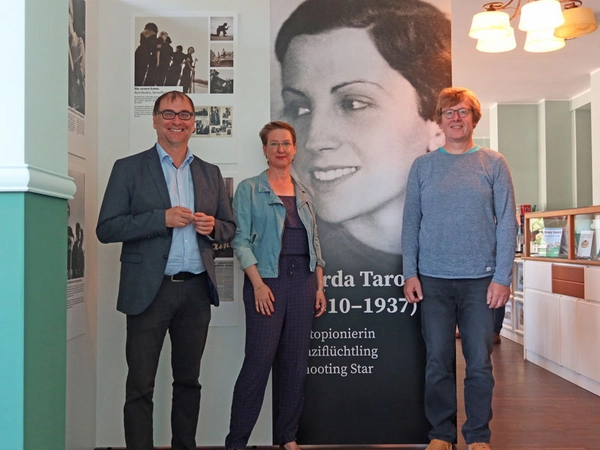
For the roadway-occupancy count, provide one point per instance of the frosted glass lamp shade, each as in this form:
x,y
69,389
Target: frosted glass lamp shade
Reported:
x,y
499,45
541,15
578,22
490,25
543,41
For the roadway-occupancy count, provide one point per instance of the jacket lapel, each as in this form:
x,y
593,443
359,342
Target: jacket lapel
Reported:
x,y
158,177
197,181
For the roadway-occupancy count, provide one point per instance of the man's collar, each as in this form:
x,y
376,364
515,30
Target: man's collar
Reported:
x,y
162,153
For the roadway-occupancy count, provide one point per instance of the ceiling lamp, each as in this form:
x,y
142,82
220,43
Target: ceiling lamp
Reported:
x,y
546,23
543,41
579,21
541,15
498,45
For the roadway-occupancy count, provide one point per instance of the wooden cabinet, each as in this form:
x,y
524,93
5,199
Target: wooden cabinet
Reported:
x,y
542,308
569,335
562,332
588,339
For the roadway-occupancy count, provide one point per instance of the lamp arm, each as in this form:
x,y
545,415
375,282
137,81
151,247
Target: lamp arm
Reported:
x,y
495,6
568,4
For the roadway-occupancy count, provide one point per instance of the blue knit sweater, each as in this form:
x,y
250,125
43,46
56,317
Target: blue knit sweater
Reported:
x,y
459,217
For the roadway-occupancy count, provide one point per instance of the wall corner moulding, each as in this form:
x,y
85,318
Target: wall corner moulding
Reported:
x,y
27,178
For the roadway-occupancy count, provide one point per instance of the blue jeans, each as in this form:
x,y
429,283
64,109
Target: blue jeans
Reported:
x,y
447,303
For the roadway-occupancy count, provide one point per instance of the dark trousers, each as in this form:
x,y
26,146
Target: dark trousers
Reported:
x,y
499,319
447,303
182,309
281,341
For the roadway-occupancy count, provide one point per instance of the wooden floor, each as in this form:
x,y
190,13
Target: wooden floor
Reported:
x,y
533,408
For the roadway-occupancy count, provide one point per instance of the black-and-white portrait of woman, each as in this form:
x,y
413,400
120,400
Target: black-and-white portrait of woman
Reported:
x,y
358,80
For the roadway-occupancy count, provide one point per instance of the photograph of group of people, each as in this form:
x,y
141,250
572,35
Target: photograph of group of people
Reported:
x,y
172,51
75,225
213,121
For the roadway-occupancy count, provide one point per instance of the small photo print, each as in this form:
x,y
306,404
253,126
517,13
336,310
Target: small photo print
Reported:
x,y
508,315
213,121
221,55
221,28
221,81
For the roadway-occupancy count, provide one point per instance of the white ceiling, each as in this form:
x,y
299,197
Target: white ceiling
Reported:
x,y
519,76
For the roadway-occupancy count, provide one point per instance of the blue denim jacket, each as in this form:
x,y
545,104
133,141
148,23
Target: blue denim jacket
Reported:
x,y
260,216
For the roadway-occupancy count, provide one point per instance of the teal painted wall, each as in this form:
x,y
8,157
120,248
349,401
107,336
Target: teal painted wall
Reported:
x,y
33,332
45,321
12,301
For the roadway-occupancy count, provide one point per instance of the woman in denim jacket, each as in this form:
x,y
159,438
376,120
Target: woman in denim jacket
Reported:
x,y
278,247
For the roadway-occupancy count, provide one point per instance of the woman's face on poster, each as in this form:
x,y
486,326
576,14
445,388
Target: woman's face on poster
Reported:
x,y
357,122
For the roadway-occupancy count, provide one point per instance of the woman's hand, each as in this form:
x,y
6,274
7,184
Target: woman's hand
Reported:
x,y
263,300
320,304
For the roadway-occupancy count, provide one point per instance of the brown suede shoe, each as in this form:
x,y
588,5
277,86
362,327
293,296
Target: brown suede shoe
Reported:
x,y
479,446
438,444
497,339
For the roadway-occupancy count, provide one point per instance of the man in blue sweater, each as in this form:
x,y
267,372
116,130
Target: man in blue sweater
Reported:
x,y
458,244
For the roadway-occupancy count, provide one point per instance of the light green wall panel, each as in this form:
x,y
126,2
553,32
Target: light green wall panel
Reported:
x,y
583,149
559,155
484,142
45,89
518,142
33,331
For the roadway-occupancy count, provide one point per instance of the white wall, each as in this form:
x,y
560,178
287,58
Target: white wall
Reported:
x,y
81,350
224,352
595,100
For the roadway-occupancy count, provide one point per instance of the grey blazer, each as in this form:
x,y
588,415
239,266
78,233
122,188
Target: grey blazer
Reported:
x,y
133,212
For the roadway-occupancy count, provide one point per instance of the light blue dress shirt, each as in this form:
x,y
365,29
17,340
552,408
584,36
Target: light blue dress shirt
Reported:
x,y
184,255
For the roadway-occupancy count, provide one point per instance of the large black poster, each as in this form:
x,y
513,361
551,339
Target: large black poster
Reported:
x,y
358,79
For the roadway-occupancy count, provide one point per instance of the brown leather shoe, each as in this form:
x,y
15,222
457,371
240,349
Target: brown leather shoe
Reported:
x,y
497,339
438,444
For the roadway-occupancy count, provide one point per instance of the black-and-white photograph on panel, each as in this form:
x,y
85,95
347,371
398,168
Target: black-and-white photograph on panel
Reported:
x,y
221,81
213,121
172,51
359,81
76,256
221,54
221,28
76,76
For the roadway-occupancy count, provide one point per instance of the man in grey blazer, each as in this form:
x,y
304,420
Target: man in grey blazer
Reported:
x,y
167,207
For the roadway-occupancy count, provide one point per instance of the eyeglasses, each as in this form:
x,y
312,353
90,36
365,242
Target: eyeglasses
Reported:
x,y
275,145
462,112
167,114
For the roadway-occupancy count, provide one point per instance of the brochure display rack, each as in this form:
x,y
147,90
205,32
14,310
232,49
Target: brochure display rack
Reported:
x,y
569,234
